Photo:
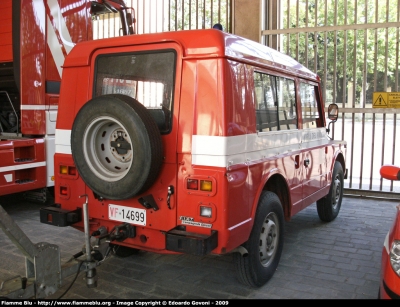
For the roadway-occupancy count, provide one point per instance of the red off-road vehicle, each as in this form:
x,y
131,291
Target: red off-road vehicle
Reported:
x,y
193,142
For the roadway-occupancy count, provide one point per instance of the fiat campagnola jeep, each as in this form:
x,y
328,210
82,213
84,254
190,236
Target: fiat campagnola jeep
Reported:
x,y
192,142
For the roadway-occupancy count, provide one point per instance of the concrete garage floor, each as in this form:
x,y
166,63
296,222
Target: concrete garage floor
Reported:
x,y
337,260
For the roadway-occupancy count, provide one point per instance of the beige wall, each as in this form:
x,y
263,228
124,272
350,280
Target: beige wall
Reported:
x,y
246,18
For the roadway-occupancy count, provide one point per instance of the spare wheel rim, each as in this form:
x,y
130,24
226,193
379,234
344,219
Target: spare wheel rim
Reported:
x,y
102,158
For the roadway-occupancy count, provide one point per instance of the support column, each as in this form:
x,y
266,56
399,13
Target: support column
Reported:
x,y
272,20
246,18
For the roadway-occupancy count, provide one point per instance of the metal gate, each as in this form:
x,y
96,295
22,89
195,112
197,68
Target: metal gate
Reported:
x,y
167,15
353,45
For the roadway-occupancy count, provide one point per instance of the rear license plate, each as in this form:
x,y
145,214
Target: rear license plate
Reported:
x,y
127,214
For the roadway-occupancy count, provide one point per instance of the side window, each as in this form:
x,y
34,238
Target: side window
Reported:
x,y
275,103
286,104
266,104
309,105
147,77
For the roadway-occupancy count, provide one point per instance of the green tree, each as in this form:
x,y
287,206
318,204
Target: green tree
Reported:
x,y
376,47
197,14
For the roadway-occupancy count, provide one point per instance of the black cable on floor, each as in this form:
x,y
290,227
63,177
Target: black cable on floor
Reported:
x,y
76,276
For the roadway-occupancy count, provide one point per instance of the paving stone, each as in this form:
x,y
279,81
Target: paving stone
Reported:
x,y
337,260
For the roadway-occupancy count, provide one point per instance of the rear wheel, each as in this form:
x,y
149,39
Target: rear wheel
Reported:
x,y
328,207
264,245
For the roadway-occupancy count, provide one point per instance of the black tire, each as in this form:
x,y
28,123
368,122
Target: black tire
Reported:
x,y
116,146
328,207
264,245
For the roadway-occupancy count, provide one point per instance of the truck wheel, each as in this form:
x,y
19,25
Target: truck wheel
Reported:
x,y
328,207
265,243
116,146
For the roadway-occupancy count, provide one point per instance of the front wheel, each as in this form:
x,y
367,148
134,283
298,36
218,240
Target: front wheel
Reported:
x,y
265,243
328,207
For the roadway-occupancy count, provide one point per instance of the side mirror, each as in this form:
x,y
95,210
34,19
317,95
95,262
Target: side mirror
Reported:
x,y
333,112
390,172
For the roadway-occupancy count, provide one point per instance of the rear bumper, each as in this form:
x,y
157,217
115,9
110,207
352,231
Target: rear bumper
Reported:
x,y
177,240
191,243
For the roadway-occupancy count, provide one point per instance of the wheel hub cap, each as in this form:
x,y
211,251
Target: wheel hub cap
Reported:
x,y
268,239
107,148
336,192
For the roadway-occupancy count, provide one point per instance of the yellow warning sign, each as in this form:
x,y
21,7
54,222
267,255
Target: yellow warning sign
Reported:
x,y
386,100
394,99
380,100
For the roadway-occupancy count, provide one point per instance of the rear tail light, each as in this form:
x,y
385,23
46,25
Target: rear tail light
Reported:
x,y
192,184
64,191
206,185
201,185
68,170
63,170
72,171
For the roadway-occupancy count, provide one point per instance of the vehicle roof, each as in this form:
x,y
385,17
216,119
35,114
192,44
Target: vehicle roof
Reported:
x,y
197,43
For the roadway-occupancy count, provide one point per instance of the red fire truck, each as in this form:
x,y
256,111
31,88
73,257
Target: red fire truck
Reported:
x,y
193,142
35,37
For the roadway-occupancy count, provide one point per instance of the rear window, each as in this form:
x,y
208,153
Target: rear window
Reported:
x,y
147,77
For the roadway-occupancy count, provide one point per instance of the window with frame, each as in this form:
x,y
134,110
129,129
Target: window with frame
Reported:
x,y
275,103
309,105
147,77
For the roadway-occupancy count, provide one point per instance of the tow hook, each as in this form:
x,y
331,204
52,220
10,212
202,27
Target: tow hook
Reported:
x,y
122,232
118,233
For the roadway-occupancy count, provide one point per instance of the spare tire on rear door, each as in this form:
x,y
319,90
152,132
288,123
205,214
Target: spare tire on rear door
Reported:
x,y
116,146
